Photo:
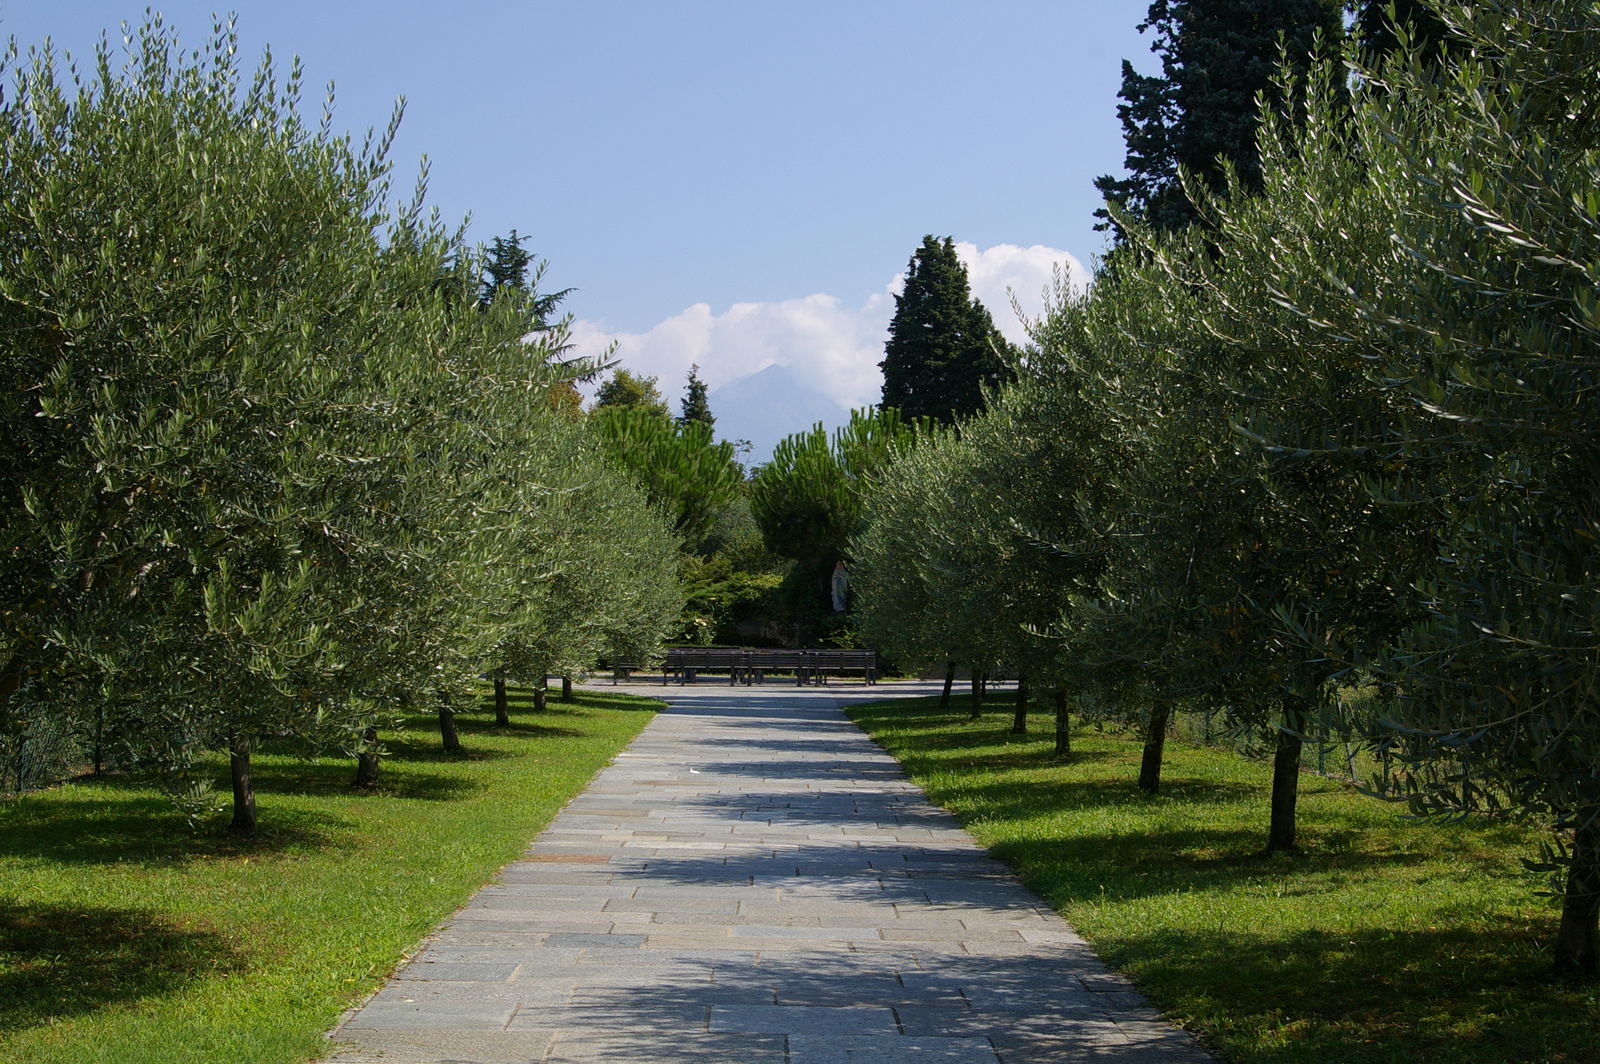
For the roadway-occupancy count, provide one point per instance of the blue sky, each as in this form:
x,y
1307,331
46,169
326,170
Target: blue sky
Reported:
x,y
664,156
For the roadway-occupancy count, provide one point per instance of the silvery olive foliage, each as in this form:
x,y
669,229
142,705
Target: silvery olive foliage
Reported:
x,y
1340,431
1447,236
275,468
955,557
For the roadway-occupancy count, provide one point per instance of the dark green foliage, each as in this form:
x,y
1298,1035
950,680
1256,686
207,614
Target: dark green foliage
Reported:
x,y
720,597
727,573
1201,112
736,537
1377,20
696,410
811,499
680,467
943,348
627,389
1151,190
802,501
808,499
507,266
506,269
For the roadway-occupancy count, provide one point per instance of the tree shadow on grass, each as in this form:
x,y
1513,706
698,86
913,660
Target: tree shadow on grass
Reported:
x,y
1014,796
1199,860
521,700
1017,757
127,822
1193,851
542,726
618,700
337,779
1480,992
420,739
57,962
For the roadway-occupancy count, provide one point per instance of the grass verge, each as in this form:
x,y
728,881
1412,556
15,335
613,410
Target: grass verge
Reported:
x,y
126,937
1383,939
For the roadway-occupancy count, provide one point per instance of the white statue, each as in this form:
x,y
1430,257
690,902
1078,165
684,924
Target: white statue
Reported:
x,y
841,587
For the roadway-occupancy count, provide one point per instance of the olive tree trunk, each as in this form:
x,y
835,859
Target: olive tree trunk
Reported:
x,y
502,707
1285,782
1019,725
540,691
244,793
949,682
1063,726
566,689
1155,742
1577,943
367,759
447,725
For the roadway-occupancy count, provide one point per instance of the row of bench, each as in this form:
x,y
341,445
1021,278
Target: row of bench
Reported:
x,y
748,666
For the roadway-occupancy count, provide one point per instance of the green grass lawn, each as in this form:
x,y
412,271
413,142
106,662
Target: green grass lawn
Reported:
x,y
1384,939
127,938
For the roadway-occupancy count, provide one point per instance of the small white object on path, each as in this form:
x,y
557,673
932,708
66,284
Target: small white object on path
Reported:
x,y
801,902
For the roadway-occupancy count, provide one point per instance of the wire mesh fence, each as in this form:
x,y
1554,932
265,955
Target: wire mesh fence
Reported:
x,y
40,753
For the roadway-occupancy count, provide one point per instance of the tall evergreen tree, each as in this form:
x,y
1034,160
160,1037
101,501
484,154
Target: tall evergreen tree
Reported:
x,y
943,347
1216,57
506,267
696,408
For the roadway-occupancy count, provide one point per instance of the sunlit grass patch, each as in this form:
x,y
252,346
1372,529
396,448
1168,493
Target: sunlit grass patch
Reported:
x,y
1383,939
125,937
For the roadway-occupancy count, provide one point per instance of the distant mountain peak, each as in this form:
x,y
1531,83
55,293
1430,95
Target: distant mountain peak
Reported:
x,y
765,406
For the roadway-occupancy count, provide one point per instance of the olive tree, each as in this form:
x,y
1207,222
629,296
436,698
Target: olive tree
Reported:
x,y
192,277
277,468
1478,306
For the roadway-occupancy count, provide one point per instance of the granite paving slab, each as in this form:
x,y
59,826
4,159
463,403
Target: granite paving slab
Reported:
x,y
752,880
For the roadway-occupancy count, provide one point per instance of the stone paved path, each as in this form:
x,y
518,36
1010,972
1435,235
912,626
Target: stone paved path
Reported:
x,y
754,881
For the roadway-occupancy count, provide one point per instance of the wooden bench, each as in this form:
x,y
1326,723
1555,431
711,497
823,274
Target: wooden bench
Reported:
x,y
810,666
686,663
824,663
760,661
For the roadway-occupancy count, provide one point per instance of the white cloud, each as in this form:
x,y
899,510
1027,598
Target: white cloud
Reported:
x,y
826,345
1005,270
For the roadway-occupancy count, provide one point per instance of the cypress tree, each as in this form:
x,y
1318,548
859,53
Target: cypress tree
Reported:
x,y
943,347
1216,57
696,408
